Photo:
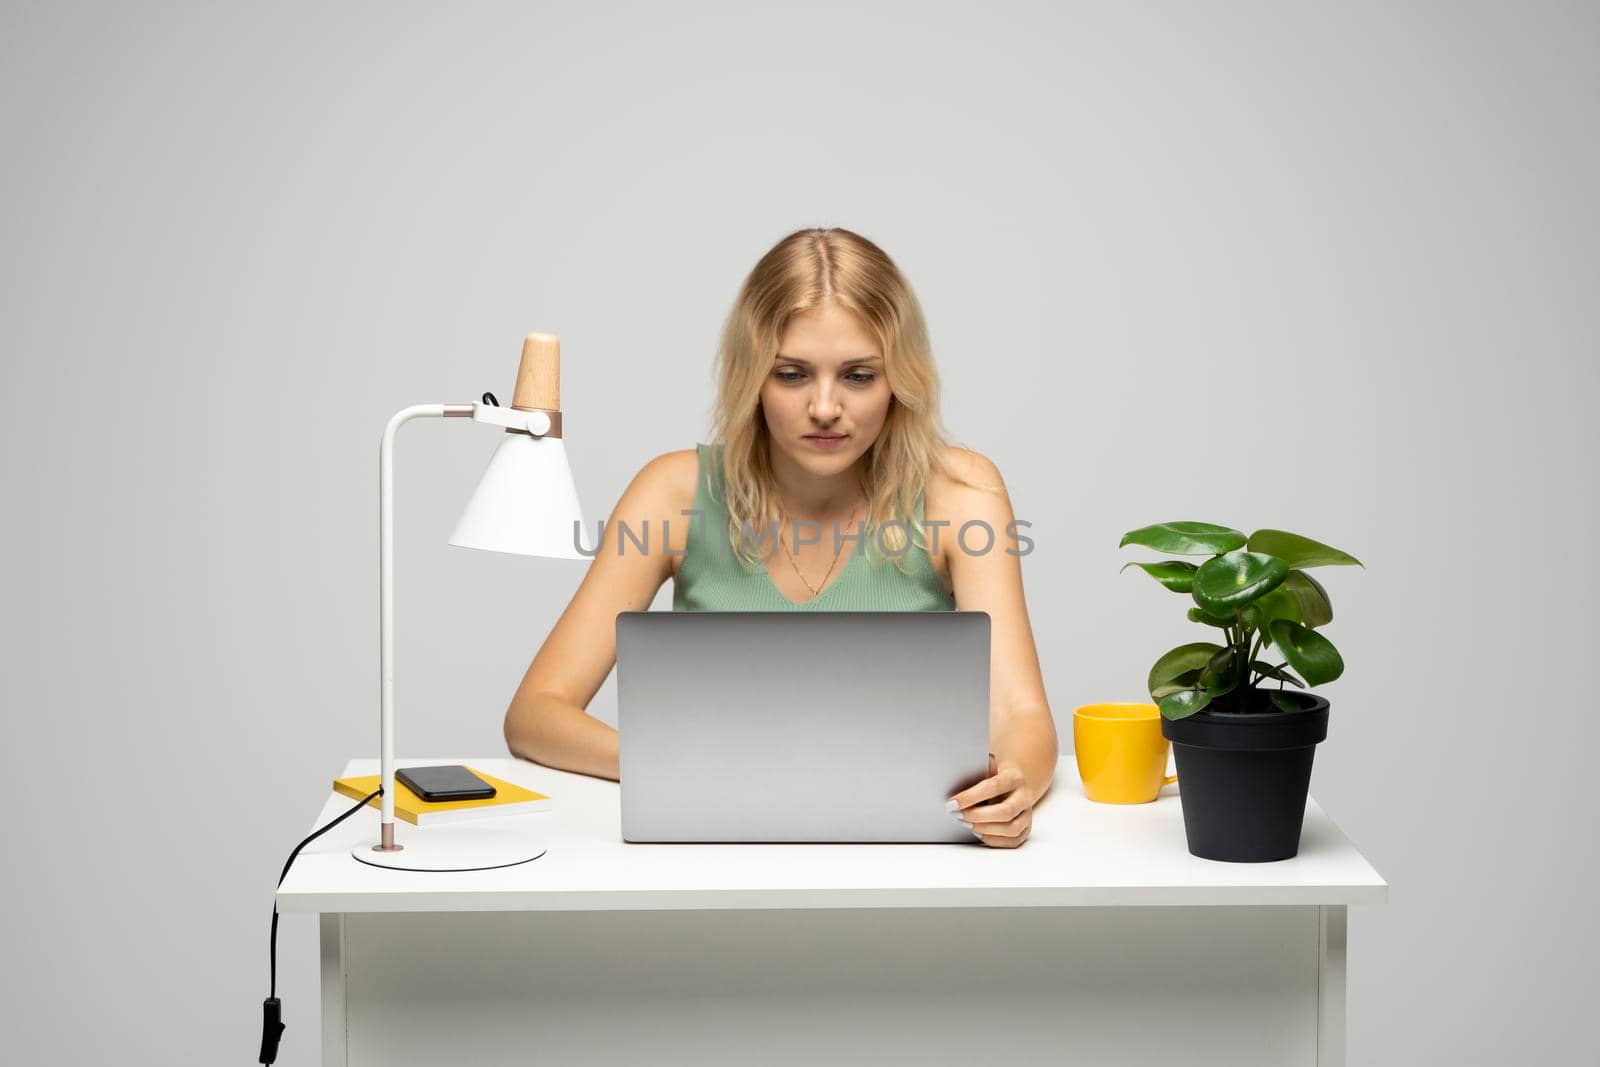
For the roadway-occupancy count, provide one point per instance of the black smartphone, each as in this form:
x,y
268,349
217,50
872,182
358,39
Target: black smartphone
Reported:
x,y
449,781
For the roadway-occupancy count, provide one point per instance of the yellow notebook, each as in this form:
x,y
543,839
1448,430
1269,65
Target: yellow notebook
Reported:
x,y
508,799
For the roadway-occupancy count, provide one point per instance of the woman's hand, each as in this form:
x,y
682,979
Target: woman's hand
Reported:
x,y
999,808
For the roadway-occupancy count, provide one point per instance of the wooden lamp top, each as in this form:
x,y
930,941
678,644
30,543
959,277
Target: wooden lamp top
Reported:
x,y
539,376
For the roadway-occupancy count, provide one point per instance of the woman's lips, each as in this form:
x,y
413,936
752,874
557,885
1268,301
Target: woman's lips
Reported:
x,y
826,443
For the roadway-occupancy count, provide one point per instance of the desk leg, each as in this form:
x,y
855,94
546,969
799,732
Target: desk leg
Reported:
x,y
1330,984
333,998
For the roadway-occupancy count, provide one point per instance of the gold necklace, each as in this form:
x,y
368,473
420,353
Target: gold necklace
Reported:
x,y
837,553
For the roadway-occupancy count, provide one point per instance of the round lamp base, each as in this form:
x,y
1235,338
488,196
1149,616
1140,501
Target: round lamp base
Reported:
x,y
453,848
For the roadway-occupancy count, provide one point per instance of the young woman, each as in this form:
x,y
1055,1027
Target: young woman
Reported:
x,y
828,486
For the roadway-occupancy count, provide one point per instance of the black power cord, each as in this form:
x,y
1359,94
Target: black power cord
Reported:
x,y
272,1007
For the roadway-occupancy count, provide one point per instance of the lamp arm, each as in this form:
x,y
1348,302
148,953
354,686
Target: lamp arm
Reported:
x,y
386,601
536,422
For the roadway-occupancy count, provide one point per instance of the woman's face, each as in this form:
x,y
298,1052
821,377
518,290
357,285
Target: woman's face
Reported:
x,y
826,397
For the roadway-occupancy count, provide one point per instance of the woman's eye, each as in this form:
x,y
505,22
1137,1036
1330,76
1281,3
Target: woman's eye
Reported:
x,y
856,378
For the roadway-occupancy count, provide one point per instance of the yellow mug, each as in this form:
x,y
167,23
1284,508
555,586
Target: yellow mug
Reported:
x,y
1122,757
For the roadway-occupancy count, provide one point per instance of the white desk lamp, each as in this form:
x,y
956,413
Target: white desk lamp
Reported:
x,y
525,503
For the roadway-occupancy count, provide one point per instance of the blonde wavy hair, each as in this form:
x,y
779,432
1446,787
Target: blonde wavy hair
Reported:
x,y
806,270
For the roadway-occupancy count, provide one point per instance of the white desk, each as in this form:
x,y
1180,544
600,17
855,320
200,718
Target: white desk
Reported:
x,y
1101,938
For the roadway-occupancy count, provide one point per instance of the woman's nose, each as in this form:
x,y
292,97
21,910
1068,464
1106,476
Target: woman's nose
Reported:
x,y
824,403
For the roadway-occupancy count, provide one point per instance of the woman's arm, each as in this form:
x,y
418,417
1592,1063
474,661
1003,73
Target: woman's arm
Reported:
x,y
1022,732
547,721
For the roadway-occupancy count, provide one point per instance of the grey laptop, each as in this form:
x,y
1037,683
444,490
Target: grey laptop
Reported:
x,y
800,725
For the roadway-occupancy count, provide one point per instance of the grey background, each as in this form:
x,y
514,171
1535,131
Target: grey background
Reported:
x,y
1328,269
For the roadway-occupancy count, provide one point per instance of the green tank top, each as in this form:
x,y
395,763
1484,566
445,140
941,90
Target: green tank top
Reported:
x,y
711,576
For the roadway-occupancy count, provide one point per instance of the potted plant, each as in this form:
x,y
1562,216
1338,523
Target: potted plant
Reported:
x,y
1243,743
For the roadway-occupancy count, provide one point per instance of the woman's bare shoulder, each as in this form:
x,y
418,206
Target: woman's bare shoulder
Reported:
x,y
965,463
949,502
671,477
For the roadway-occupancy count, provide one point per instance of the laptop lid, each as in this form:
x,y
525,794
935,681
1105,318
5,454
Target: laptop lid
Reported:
x,y
800,726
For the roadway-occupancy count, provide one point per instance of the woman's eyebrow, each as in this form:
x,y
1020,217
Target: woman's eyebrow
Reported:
x,y
846,363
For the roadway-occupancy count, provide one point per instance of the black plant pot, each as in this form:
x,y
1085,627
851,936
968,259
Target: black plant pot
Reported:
x,y
1243,778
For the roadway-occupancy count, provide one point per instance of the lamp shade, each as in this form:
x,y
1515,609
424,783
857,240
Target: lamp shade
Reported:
x,y
526,503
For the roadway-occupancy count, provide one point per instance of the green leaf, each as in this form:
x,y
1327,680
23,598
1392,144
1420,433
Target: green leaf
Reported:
x,y
1175,574
1307,652
1315,607
1227,583
1299,551
1186,538
1278,604
1196,615
1184,658
1284,703
1184,704
1221,673
1186,680
1275,672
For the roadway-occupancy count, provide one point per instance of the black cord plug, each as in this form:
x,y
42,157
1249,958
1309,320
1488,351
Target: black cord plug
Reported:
x,y
271,1028
272,1008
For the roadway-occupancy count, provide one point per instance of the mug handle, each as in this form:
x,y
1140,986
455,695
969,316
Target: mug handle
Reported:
x,y
1169,779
